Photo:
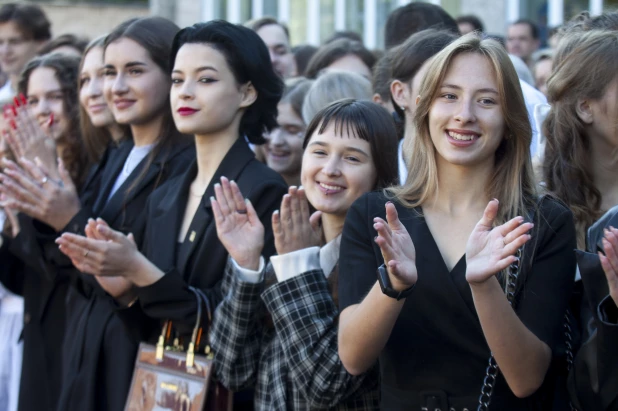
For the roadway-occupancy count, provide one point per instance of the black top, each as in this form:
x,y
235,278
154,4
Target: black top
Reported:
x,y
437,348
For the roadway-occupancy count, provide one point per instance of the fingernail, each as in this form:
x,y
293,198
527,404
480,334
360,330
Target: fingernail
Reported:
x,y
212,199
23,99
276,212
375,238
247,201
17,103
51,119
13,125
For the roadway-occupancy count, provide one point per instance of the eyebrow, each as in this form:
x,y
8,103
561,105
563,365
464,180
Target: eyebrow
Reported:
x,y
481,90
129,64
347,148
197,70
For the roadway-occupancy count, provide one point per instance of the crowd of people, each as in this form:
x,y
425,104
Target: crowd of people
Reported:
x,y
425,227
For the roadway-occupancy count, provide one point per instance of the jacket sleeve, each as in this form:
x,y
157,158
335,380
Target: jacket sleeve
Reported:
x,y
236,331
306,321
607,341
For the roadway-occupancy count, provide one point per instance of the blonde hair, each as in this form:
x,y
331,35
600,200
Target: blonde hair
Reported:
x,y
512,182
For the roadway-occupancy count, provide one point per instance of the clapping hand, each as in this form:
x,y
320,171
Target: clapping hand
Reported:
x,y
30,190
609,261
294,227
397,249
492,249
238,226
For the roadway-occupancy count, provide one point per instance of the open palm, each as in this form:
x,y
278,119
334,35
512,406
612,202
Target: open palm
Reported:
x,y
238,227
492,249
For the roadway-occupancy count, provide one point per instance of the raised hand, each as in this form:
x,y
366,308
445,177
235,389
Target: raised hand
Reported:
x,y
492,249
30,190
238,226
294,227
609,261
397,249
27,138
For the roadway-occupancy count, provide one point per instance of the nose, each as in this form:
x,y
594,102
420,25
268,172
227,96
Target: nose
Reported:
x,y
332,167
41,108
276,137
465,112
94,88
186,91
119,85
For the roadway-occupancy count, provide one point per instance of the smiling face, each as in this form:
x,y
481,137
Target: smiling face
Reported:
x,y
46,97
337,169
284,145
91,97
205,96
135,87
465,119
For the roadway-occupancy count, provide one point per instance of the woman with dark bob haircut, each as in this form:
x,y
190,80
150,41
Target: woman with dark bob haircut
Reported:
x,y
223,91
342,54
278,322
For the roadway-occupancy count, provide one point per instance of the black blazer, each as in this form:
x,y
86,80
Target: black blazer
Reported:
x,y
593,380
200,260
98,352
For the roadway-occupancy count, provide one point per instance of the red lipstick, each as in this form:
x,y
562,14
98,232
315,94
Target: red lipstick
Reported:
x,y
186,111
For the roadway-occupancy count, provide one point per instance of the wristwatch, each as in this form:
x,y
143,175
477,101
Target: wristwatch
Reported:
x,y
387,288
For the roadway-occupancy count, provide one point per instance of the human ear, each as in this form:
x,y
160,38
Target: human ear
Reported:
x,y
401,93
584,111
249,95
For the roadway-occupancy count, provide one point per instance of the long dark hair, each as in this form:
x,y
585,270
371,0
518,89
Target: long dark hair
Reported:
x,y
155,35
66,72
248,59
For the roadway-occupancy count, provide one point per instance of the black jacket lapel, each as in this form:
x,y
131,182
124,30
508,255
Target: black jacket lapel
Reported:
x,y
111,170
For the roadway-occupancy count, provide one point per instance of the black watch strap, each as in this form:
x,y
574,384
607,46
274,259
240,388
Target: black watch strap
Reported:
x,y
387,288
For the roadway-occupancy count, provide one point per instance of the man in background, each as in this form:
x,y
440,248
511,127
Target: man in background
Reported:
x,y
277,38
522,39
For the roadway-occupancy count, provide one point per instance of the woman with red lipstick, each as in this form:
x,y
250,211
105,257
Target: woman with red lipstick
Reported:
x,y
279,324
424,267
223,89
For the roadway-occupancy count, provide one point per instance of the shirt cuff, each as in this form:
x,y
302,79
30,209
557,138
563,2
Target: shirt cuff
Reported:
x,y
246,275
290,265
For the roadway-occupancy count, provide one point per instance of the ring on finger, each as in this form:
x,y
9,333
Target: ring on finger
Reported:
x,y
243,211
44,180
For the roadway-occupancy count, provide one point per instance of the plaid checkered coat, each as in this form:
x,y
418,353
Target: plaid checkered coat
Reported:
x,y
295,365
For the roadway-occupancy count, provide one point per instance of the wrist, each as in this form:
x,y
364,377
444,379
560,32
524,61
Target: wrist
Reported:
x,y
249,262
397,291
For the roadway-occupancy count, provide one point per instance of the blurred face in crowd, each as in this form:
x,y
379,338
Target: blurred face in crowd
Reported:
x,y
15,49
135,87
542,71
284,145
465,119
603,120
278,46
206,99
519,41
465,28
46,101
91,96
337,169
351,63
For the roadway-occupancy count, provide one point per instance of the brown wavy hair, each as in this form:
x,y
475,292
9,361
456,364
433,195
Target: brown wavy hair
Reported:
x,y
585,66
66,71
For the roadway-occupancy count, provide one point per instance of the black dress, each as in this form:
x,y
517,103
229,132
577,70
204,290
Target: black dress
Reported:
x,y
436,356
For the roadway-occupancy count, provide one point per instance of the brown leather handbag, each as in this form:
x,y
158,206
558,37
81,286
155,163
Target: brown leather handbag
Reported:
x,y
168,378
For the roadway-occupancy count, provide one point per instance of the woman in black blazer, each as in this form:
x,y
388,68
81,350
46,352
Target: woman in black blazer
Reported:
x,y
224,91
98,352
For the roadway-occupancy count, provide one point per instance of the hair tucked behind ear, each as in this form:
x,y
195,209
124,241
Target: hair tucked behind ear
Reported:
x,y
249,61
567,168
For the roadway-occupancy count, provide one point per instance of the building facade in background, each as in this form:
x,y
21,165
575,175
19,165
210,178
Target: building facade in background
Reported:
x,y
310,21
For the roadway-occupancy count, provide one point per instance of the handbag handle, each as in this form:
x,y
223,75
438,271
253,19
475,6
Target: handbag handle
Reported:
x,y
167,326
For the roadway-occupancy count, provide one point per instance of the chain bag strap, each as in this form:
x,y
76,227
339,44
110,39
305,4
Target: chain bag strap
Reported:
x,y
492,371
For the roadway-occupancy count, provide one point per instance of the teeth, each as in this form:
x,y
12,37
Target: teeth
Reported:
x,y
335,188
463,137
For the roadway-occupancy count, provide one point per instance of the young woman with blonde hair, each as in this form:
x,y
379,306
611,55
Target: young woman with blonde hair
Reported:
x,y
468,211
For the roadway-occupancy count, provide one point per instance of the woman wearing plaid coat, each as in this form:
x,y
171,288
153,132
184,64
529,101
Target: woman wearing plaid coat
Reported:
x,y
277,326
